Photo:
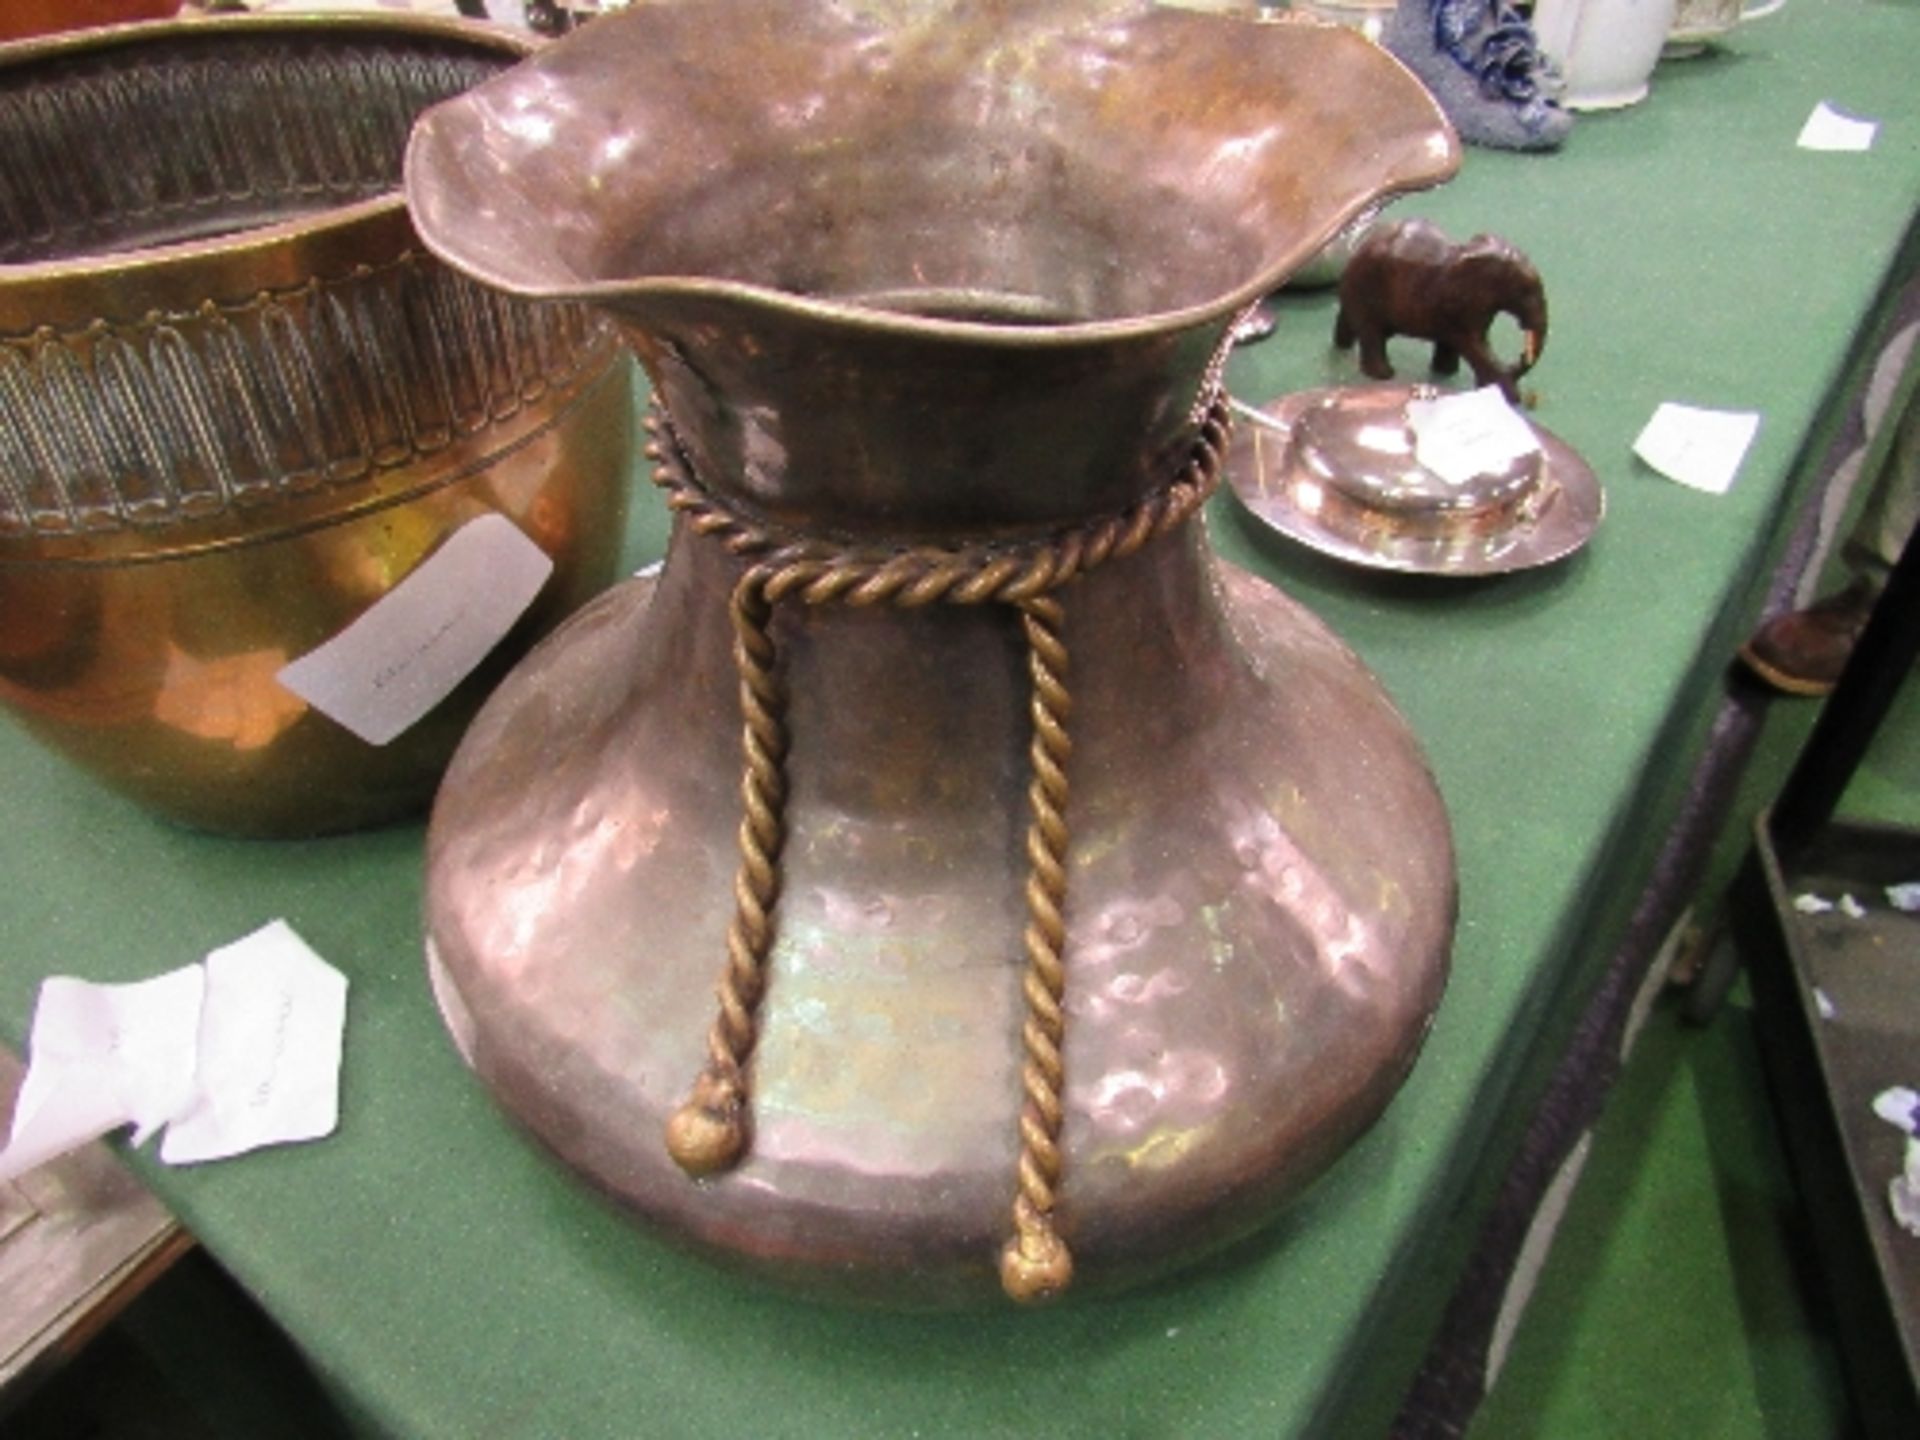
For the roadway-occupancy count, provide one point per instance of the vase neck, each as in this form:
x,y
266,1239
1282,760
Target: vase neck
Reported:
x,y
899,436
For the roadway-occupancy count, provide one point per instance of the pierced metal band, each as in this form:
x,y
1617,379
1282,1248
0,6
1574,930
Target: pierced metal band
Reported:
x,y
326,386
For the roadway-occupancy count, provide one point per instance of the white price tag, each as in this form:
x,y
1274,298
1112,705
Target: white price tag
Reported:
x,y
407,652
1460,437
240,1051
1899,1106
1829,129
1701,449
1903,1192
271,1031
103,1056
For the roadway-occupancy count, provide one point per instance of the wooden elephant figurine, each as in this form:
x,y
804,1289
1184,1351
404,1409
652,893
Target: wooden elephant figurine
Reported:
x,y
1407,278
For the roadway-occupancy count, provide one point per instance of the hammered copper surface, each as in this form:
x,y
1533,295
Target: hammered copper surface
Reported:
x,y
906,273
239,403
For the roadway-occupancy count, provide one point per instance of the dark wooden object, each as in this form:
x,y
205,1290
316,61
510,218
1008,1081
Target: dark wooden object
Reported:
x,y
1408,278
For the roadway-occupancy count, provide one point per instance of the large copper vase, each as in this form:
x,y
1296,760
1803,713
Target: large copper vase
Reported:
x,y
1071,931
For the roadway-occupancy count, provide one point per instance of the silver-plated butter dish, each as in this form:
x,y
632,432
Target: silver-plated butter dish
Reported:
x,y
1336,469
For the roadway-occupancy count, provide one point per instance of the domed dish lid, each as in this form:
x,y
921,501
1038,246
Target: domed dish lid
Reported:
x,y
1335,469
1078,167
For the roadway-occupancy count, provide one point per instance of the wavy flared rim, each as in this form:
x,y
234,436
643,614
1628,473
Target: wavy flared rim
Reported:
x,y
1428,149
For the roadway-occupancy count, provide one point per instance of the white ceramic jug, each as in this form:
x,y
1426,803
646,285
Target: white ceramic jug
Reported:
x,y
1606,48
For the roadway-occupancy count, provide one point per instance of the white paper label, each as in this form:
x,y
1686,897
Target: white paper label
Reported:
x,y
1460,437
407,652
232,1054
1699,448
103,1056
1899,1106
1829,129
1903,1192
271,1031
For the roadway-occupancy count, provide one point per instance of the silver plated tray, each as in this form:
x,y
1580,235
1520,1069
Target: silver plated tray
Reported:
x,y
1335,470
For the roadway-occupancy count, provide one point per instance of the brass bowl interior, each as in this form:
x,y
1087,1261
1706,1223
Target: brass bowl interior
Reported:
x,y
191,134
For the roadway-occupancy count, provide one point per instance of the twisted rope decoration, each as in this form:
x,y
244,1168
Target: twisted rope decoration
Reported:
x,y
711,1130
1036,1263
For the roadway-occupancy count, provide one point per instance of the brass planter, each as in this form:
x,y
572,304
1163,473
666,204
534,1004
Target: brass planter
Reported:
x,y
239,403
1074,899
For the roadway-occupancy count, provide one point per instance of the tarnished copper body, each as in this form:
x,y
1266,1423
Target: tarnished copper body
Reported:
x,y
239,403
911,277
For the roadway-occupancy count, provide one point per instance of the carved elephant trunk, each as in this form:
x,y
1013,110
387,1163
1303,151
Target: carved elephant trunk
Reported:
x,y
1532,320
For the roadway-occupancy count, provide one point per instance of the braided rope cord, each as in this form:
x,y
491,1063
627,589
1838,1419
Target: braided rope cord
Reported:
x,y
711,1130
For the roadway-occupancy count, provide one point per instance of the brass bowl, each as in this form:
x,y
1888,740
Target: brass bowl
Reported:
x,y
240,403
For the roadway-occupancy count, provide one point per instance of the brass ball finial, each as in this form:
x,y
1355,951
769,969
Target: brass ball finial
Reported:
x,y
705,1138
1035,1266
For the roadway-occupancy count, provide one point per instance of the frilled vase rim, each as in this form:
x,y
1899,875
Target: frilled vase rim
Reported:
x,y
469,159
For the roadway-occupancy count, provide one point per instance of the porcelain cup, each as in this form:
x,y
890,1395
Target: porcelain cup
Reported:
x,y
1606,49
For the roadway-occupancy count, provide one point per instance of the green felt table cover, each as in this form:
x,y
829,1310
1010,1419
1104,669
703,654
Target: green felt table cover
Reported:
x,y
448,1279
